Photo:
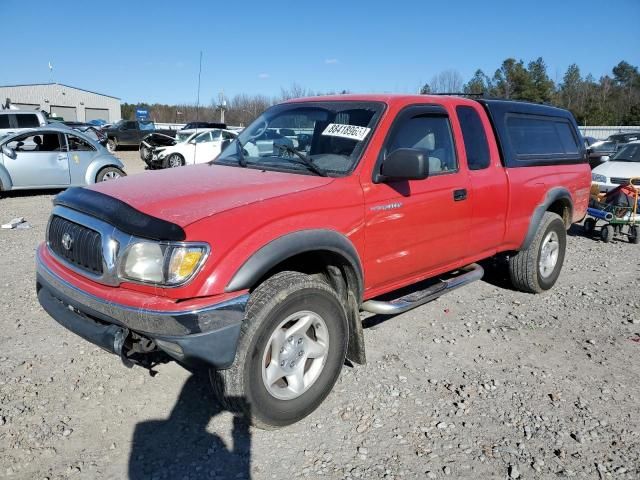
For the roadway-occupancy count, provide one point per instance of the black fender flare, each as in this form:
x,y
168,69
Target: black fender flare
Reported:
x,y
553,195
287,246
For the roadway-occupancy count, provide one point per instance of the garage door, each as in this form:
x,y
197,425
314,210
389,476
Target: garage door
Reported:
x,y
68,113
96,114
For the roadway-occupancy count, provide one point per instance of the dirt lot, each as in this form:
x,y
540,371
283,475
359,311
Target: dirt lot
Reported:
x,y
482,383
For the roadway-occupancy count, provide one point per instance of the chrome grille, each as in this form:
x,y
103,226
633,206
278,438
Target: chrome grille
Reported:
x,y
76,244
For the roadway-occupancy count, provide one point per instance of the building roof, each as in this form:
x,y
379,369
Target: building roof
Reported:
x,y
62,85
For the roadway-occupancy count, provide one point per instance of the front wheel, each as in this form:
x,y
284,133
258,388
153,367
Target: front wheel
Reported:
x,y
174,160
291,349
537,268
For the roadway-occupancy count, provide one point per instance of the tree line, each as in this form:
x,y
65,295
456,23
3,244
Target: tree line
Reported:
x,y
240,109
611,100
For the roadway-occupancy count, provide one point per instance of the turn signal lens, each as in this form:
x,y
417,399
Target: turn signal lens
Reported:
x,y
184,261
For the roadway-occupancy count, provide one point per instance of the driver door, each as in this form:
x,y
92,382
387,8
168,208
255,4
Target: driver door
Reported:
x,y
207,146
417,227
39,160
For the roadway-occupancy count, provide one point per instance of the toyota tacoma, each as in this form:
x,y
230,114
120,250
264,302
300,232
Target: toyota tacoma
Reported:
x,y
258,264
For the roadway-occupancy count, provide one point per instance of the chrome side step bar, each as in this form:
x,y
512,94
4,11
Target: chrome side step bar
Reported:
x,y
468,274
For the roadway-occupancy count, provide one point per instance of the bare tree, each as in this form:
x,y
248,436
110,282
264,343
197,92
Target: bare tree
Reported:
x,y
447,81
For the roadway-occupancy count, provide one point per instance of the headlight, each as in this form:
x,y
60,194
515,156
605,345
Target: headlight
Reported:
x,y
596,177
162,263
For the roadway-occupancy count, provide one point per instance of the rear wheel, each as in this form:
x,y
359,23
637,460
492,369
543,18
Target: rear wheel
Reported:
x,y
172,161
109,173
606,233
589,226
291,350
537,268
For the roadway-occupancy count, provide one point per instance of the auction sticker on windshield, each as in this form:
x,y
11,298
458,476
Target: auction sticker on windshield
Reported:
x,y
353,132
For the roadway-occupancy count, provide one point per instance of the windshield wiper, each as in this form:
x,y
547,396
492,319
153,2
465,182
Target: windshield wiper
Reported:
x,y
305,159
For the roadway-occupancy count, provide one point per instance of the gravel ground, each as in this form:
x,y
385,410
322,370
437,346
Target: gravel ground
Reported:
x,y
482,383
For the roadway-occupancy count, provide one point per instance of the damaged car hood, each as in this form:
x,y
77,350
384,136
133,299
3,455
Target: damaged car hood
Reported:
x,y
187,194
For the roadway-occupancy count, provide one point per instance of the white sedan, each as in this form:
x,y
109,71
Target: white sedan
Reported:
x,y
200,147
622,166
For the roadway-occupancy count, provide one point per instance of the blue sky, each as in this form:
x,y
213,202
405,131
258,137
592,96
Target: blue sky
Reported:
x,y
148,51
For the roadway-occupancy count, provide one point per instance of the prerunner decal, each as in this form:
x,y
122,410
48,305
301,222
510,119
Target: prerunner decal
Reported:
x,y
353,132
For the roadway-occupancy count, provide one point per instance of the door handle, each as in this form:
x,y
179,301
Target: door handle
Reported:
x,y
62,157
460,194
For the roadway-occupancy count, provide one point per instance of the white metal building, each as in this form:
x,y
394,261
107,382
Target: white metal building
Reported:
x,y
70,103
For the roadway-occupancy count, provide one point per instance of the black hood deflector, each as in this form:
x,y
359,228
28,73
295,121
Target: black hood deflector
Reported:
x,y
119,214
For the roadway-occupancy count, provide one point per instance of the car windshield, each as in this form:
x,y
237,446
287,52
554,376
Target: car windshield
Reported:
x,y
332,135
629,153
183,136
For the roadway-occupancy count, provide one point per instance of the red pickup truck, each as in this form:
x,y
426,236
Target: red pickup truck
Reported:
x,y
258,264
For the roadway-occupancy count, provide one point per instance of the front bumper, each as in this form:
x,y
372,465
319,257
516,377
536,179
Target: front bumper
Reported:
x,y
204,337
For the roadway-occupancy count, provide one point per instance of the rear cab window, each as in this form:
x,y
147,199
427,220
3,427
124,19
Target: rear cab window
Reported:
x,y
476,145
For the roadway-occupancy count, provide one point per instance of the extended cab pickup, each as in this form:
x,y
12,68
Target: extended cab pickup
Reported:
x,y
258,264
131,132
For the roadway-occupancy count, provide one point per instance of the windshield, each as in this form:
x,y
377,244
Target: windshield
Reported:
x,y
628,153
330,134
182,136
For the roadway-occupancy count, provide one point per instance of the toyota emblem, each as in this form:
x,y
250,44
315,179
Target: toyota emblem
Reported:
x,y
67,241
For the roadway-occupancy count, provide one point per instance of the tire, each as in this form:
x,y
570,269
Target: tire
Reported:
x,y
245,386
528,273
606,233
173,161
589,226
634,234
112,145
109,173
145,153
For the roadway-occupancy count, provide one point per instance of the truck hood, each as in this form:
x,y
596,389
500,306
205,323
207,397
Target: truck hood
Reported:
x,y
187,194
618,169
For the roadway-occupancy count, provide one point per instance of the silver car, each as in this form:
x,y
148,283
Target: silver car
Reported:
x,y
54,157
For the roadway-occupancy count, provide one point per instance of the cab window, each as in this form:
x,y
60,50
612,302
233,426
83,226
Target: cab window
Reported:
x,y
431,133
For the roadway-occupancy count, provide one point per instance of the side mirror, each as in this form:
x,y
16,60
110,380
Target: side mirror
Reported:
x,y
405,164
8,152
